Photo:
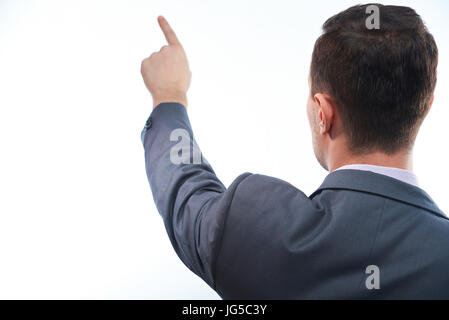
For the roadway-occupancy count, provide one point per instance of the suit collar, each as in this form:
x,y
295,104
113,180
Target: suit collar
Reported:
x,y
385,186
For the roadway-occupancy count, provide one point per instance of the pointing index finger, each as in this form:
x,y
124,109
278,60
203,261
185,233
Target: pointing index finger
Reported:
x,y
168,31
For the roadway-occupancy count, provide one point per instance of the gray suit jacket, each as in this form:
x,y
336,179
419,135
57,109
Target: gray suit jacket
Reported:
x,y
262,238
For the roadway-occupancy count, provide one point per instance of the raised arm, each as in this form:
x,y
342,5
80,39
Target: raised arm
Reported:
x,y
190,198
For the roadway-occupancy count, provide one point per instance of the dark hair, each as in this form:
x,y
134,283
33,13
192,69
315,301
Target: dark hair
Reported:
x,y
381,80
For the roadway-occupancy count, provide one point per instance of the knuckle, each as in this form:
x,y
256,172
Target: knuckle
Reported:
x,y
142,65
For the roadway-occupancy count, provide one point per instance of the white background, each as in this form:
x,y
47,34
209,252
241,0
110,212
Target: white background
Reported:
x,y
77,218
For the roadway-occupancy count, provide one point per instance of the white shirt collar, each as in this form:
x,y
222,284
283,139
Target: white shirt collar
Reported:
x,y
396,173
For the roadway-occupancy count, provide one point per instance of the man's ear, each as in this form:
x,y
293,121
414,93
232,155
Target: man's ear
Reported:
x,y
430,104
325,112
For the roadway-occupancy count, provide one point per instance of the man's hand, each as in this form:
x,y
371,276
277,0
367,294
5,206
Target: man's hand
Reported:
x,y
166,73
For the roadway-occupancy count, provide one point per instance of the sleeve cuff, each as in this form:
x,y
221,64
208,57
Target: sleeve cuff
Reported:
x,y
167,112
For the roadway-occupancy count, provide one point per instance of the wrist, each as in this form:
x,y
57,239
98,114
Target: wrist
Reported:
x,y
170,98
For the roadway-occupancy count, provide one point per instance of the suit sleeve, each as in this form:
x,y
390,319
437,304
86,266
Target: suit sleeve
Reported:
x,y
190,198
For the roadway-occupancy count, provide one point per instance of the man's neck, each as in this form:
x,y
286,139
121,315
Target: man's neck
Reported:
x,y
401,160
